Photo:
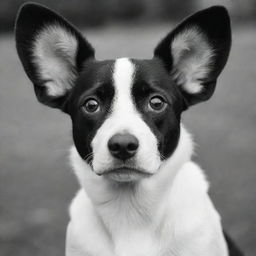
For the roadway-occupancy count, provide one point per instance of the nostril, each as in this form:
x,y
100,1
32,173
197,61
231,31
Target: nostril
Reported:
x,y
114,147
132,146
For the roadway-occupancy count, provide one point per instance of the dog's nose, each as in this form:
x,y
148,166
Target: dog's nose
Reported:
x,y
123,146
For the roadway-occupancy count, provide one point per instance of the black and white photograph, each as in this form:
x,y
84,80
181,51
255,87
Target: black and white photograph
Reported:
x,y
128,128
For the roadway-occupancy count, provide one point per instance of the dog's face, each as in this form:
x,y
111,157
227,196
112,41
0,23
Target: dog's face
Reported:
x,y
125,112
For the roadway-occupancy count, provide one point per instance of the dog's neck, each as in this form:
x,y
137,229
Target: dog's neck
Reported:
x,y
132,204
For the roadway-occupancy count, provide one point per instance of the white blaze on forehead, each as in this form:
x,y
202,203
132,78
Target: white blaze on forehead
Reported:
x,y
123,79
125,118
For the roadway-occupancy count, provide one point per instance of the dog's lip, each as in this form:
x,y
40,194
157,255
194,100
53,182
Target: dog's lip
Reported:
x,y
126,170
124,174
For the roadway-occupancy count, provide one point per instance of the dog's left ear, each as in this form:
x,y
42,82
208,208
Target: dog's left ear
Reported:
x,y
52,52
196,51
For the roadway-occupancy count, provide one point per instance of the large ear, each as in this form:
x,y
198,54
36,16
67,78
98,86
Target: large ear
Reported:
x,y
196,51
52,52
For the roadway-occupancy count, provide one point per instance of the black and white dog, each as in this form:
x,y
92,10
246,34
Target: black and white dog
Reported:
x,y
141,195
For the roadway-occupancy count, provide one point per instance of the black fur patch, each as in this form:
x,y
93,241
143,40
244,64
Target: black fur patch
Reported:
x,y
151,79
94,81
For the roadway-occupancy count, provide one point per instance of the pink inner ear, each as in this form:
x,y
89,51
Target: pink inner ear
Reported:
x,y
192,56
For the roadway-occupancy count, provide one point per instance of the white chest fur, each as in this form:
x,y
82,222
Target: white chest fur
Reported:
x,y
185,222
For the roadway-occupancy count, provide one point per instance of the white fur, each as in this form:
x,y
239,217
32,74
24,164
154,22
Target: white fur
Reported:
x,y
192,57
168,214
124,118
54,53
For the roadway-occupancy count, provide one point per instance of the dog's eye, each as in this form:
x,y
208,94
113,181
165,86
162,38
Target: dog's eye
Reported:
x,y
91,106
157,103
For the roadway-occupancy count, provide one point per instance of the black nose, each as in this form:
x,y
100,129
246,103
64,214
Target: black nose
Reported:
x,y
123,146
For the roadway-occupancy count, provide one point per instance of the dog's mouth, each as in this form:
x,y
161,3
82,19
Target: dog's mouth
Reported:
x,y
125,174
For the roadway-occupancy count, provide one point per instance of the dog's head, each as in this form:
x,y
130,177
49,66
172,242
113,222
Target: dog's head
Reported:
x,y
125,112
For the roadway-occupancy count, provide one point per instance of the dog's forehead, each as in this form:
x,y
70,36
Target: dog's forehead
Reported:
x,y
150,70
151,74
97,71
117,72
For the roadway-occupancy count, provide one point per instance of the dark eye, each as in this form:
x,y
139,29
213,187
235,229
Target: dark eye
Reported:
x,y
91,106
157,103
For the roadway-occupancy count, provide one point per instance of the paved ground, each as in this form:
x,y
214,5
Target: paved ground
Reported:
x,y
36,183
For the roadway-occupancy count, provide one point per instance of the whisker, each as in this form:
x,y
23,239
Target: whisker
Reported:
x,y
162,157
88,156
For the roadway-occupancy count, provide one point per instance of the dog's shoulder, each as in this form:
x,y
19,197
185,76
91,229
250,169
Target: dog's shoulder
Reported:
x,y
192,177
189,198
196,219
189,190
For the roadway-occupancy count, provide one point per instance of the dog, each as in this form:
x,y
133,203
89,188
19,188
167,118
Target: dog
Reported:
x,y
140,192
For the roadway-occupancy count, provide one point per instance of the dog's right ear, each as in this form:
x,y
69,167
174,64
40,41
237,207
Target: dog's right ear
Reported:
x,y
52,52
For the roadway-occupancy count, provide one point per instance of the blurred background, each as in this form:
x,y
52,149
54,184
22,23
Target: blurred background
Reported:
x,y
36,183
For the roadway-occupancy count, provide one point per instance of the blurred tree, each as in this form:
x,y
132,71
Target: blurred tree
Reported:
x,y
98,12
173,9
126,10
83,12
241,10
